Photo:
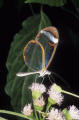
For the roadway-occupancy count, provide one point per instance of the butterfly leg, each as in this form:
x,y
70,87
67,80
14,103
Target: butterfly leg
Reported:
x,y
50,79
43,79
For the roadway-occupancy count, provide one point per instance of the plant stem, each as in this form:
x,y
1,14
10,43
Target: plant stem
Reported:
x,y
69,93
48,106
40,116
15,114
43,115
36,116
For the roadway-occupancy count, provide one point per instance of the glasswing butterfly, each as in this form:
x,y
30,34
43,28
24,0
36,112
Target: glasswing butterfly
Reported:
x,y
39,53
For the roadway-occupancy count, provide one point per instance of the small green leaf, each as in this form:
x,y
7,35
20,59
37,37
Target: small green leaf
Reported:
x,y
16,87
66,114
57,3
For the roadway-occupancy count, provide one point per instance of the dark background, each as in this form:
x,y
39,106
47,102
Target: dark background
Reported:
x,y
66,60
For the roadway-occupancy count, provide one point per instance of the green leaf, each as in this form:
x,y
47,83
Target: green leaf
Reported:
x,y
1,118
57,3
16,87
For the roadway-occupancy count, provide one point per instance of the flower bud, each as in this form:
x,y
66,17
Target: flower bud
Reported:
x,y
39,104
37,90
72,113
27,110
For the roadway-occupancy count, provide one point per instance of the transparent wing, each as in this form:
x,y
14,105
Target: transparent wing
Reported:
x,y
48,38
49,42
33,56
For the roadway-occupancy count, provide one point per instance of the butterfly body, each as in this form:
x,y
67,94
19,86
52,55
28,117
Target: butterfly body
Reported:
x,y
45,72
40,73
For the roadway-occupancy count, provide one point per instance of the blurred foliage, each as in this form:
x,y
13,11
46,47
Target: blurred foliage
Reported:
x,y
16,87
76,4
19,4
74,38
72,32
1,3
56,3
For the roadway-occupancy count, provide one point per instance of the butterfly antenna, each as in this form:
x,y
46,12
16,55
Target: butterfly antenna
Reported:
x,y
62,79
43,79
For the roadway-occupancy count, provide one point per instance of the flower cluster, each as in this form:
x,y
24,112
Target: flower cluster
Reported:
x,y
39,102
55,95
38,87
27,110
46,110
37,90
55,114
74,112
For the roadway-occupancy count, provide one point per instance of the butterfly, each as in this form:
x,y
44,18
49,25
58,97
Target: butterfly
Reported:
x,y
39,53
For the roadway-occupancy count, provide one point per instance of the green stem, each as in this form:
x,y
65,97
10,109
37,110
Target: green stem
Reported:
x,y
69,93
36,114
40,116
48,106
15,114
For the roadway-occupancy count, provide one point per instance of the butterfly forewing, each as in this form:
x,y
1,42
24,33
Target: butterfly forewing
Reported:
x,y
48,37
33,56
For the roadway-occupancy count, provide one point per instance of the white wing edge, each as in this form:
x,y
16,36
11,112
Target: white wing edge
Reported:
x,y
21,74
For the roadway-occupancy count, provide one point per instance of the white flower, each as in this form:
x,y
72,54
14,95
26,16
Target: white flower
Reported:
x,y
39,102
55,95
74,112
55,114
38,87
56,88
27,110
